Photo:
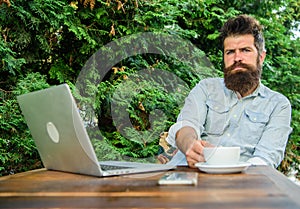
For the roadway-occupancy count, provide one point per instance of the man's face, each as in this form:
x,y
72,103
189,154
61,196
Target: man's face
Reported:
x,y
242,62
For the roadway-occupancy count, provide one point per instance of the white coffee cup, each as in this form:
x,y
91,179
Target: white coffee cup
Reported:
x,y
221,155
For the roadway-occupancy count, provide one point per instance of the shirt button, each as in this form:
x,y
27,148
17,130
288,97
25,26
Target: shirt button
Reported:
x,y
235,116
228,134
254,119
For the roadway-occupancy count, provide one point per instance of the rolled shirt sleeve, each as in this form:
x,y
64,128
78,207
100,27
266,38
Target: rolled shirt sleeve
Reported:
x,y
193,114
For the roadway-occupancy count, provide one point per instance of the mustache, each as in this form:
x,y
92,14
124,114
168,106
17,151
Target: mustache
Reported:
x,y
235,65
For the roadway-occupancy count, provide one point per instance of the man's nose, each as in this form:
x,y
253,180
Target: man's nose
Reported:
x,y
237,56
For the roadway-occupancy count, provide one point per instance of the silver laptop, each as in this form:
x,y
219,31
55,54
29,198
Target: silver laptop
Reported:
x,y
62,140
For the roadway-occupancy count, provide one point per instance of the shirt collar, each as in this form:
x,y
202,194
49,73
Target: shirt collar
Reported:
x,y
259,91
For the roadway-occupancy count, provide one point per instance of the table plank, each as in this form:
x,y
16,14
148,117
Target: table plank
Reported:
x,y
151,202
258,187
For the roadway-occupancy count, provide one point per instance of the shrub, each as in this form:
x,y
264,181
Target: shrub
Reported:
x,y
17,149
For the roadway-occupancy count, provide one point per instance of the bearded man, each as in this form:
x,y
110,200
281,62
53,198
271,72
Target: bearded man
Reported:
x,y
237,110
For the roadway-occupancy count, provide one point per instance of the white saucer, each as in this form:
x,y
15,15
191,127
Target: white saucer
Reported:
x,y
236,168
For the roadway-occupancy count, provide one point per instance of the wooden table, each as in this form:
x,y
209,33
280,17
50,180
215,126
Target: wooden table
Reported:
x,y
258,187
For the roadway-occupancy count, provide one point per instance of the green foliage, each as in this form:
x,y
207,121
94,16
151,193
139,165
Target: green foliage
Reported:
x,y
30,36
58,37
10,64
17,149
141,108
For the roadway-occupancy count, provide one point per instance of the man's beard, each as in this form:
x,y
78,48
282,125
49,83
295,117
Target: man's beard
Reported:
x,y
242,81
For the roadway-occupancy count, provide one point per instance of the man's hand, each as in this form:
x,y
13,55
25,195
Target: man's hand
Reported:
x,y
195,152
188,143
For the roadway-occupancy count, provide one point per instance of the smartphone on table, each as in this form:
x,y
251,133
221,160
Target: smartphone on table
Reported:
x,y
179,178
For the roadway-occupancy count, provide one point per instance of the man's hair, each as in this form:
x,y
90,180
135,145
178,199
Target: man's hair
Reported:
x,y
243,25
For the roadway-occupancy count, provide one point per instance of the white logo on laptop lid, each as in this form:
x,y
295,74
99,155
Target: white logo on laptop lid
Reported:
x,y
52,132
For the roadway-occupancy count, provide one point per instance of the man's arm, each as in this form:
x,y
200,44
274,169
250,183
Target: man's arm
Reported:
x,y
272,144
188,143
186,132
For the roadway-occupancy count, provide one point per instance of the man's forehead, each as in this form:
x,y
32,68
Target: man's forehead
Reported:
x,y
239,41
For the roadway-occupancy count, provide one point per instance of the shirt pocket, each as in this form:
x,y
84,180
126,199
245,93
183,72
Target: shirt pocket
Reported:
x,y
216,120
256,123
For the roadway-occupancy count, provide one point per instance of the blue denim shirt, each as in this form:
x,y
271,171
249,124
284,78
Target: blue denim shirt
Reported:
x,y
258,123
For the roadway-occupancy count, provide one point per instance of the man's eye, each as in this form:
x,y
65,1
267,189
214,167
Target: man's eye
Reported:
x,y
229,52
246,50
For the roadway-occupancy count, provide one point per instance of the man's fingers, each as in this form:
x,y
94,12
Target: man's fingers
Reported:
x,y
196,146
206,144
193,156
194,153
192,162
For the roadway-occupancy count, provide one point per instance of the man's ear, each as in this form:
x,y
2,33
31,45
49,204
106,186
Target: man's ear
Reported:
x,y
262,57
